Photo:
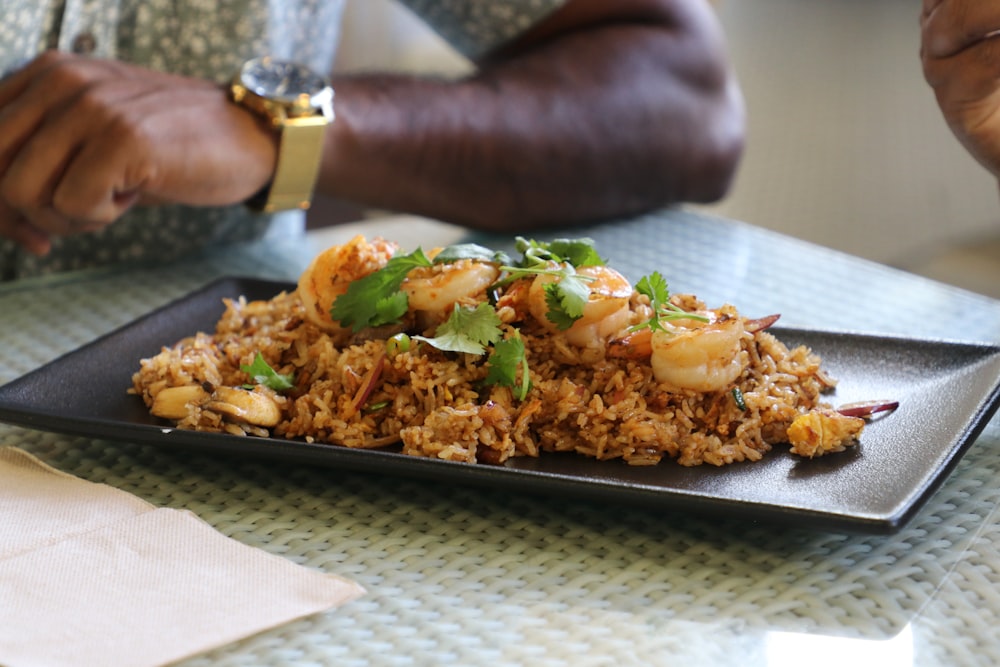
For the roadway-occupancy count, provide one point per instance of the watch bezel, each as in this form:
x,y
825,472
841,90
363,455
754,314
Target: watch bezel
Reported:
x,y
257,78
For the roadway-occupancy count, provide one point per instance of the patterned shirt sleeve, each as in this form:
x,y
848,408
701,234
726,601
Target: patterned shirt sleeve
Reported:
x,y
203,38
476,27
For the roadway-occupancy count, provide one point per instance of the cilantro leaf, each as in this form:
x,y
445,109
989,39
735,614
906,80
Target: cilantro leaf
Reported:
x,y
556,313
566,300
390,308
576,252
474,251
566,296
655,287
262,373
375,299
467,330
508,355
573,292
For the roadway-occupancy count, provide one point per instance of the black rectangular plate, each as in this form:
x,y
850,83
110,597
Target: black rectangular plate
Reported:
x,y
947,392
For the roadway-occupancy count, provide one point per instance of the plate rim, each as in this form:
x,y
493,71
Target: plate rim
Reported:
x,y
504,477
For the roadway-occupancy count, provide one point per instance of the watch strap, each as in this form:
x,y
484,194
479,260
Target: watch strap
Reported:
x,y
300,151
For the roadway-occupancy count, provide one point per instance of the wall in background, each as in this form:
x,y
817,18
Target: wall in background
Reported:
x,y
847,147
384,35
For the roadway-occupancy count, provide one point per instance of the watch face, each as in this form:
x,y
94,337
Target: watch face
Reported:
x,y
279,80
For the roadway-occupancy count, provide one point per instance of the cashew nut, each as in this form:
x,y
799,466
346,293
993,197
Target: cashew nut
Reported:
x,y
242,405
173,402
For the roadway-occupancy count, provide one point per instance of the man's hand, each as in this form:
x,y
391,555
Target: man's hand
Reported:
x,y
82,140
960,51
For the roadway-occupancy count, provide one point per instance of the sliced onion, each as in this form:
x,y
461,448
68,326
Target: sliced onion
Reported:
x,y
761,323
866,408
383,441
368,383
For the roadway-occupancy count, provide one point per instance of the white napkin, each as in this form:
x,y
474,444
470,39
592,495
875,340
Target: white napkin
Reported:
x,y
91,575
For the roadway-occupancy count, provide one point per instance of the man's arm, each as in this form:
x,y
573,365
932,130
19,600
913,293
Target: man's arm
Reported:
x,y
604,109
960,52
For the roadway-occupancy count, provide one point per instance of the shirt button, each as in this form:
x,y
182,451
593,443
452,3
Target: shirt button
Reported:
x,y
84,44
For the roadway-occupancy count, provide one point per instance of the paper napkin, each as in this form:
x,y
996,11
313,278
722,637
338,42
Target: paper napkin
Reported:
x,y
91,575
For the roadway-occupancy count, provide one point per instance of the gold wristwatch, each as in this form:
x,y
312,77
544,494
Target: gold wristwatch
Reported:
x,y
298,103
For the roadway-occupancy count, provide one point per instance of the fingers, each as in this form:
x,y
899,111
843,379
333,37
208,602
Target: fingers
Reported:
x,y
20,231
15,83
969,75
29,96
100,184
31,239
960,50
950,26
48,113
25,98
82,140
960,53
77,163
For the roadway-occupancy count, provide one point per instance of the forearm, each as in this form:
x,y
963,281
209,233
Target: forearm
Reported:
x,y
598,123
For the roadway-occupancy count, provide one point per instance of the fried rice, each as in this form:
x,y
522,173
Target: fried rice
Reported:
x,y
355,389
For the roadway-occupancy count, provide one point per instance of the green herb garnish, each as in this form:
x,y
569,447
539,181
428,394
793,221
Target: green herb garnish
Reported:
x,y
655,287
472,331
473,251
576,252
467,330
376,299
263,374
567,295
738,397
566,298
508,355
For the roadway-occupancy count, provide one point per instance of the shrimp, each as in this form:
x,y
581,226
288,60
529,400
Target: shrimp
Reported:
x,y
330,273
690,354
606,313
433,291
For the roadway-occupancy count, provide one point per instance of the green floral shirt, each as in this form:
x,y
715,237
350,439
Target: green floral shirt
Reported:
x,y
209,39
